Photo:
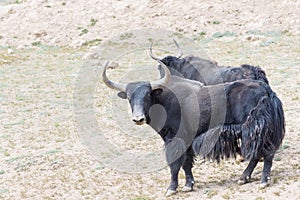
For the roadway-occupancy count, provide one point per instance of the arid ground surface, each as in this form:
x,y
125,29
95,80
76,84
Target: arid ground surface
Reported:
x,y
45,45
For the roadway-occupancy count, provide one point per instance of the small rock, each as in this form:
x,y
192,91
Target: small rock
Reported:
x,y
90,56
10,51
56,165
21,46
180,29
77,43
40,33
252,38
154,15
11,11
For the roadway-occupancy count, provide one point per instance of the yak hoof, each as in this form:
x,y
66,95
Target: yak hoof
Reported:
x,y
263,185
187,189
240,158
241,182
170,192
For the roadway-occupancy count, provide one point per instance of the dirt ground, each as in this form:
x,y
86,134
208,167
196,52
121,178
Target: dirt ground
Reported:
x,y
46,46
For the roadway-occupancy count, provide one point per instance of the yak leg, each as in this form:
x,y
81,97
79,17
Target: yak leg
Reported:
x,y
248,171
174,167
268,160
175,155
187,167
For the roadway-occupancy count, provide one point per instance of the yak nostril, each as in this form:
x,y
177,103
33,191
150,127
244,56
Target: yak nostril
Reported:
x,y
139,120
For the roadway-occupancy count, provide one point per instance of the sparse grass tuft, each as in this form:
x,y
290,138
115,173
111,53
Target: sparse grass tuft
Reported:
x,y
277,193
226,196
36,43
93,22
277,159
83,31
92,42
211,193
126,36
286,146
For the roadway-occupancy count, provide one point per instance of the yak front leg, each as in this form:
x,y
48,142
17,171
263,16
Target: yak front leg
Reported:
x,y
174,168
175,155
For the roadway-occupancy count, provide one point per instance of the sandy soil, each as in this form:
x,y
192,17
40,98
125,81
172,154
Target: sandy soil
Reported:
x,y
45,46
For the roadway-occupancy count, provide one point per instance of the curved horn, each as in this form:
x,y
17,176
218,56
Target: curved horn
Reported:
x,y
163,81
179,49
151,53
110,84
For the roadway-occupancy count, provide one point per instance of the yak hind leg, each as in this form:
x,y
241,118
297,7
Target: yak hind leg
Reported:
x,y
268,160
248,171
187,167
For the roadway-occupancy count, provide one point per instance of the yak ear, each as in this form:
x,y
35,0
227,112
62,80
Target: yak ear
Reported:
x,y
157,91
122,95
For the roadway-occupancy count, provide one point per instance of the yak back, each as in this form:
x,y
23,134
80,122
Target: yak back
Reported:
x,y
230,74
208,72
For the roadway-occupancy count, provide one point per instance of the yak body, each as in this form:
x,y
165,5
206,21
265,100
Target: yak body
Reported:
x,y
249,110
208,73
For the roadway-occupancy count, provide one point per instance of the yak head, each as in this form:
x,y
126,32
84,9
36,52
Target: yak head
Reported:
x,y
174,63
139,94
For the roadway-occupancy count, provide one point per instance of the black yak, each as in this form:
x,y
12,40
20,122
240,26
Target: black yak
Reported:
x,y
248,109
203,70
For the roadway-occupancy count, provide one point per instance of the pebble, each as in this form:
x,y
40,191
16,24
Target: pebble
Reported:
x,y
90,56
10,51
40,33
252,38
77,43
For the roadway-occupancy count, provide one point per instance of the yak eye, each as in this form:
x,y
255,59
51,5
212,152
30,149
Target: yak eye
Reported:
x,y
148,95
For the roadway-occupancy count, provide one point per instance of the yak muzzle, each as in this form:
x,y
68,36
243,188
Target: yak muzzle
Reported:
x,y
139,120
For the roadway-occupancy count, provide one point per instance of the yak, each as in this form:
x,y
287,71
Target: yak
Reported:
x,y
244,110
207,71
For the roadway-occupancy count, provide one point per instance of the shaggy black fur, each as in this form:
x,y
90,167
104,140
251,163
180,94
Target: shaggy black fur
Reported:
x,y
207,72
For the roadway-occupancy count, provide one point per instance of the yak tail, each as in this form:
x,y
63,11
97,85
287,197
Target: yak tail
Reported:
x,y
218,143
264,129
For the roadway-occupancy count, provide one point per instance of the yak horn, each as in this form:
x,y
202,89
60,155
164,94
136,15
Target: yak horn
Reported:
x,y
163,81
179,49
113,85
151,53
157,59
